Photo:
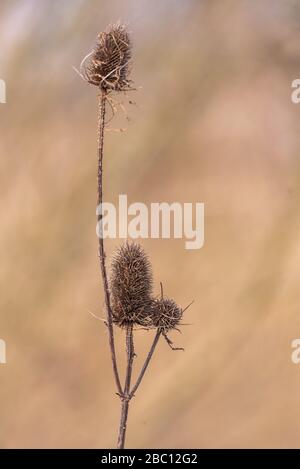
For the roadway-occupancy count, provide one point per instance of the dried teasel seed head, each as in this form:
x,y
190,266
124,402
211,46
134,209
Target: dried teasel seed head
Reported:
x,y
165,314
108,66
131,286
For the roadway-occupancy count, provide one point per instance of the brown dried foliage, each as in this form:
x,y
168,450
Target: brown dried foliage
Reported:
x,y
109,63
131,286
131,289
166,314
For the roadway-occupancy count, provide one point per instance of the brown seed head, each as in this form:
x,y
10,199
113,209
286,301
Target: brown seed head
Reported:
x,y
109,63
131,286
166,314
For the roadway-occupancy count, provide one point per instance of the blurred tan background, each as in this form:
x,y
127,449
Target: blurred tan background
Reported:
x,y
215,124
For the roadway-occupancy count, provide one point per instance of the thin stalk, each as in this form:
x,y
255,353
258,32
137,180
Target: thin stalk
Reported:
x,y
130,357
145,366
123,423
109,320
125,395
126,398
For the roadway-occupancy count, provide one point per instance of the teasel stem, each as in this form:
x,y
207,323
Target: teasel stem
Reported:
x,y
145,366
123,423
130,357
102,255
126,396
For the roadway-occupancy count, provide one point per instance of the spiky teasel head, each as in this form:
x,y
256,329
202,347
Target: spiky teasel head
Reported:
x,y
166,314
108,65
131,286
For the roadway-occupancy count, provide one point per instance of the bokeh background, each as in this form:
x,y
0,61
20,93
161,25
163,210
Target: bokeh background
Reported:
x,y
214,123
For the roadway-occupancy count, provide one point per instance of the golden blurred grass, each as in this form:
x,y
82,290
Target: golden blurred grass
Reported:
x,y
215,123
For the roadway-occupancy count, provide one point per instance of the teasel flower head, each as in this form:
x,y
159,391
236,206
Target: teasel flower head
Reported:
x,y
165,314
131,286
108,65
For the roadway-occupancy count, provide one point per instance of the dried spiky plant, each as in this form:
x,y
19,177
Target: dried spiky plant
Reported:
x,y
131,286
166,314
108,65
128,296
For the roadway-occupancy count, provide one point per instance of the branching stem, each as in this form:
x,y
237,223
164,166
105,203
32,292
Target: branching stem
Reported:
x,y
109,319
125,394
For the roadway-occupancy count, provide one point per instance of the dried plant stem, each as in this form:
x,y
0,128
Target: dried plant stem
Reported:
x,y
123,423
126,397
130,357
109,320
125,394
145,366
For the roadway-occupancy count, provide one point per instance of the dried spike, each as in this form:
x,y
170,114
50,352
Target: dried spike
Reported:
x,y
108,66
166,314
131,286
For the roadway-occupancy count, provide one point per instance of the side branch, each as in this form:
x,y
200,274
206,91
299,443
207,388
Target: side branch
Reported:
x,y
145,366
